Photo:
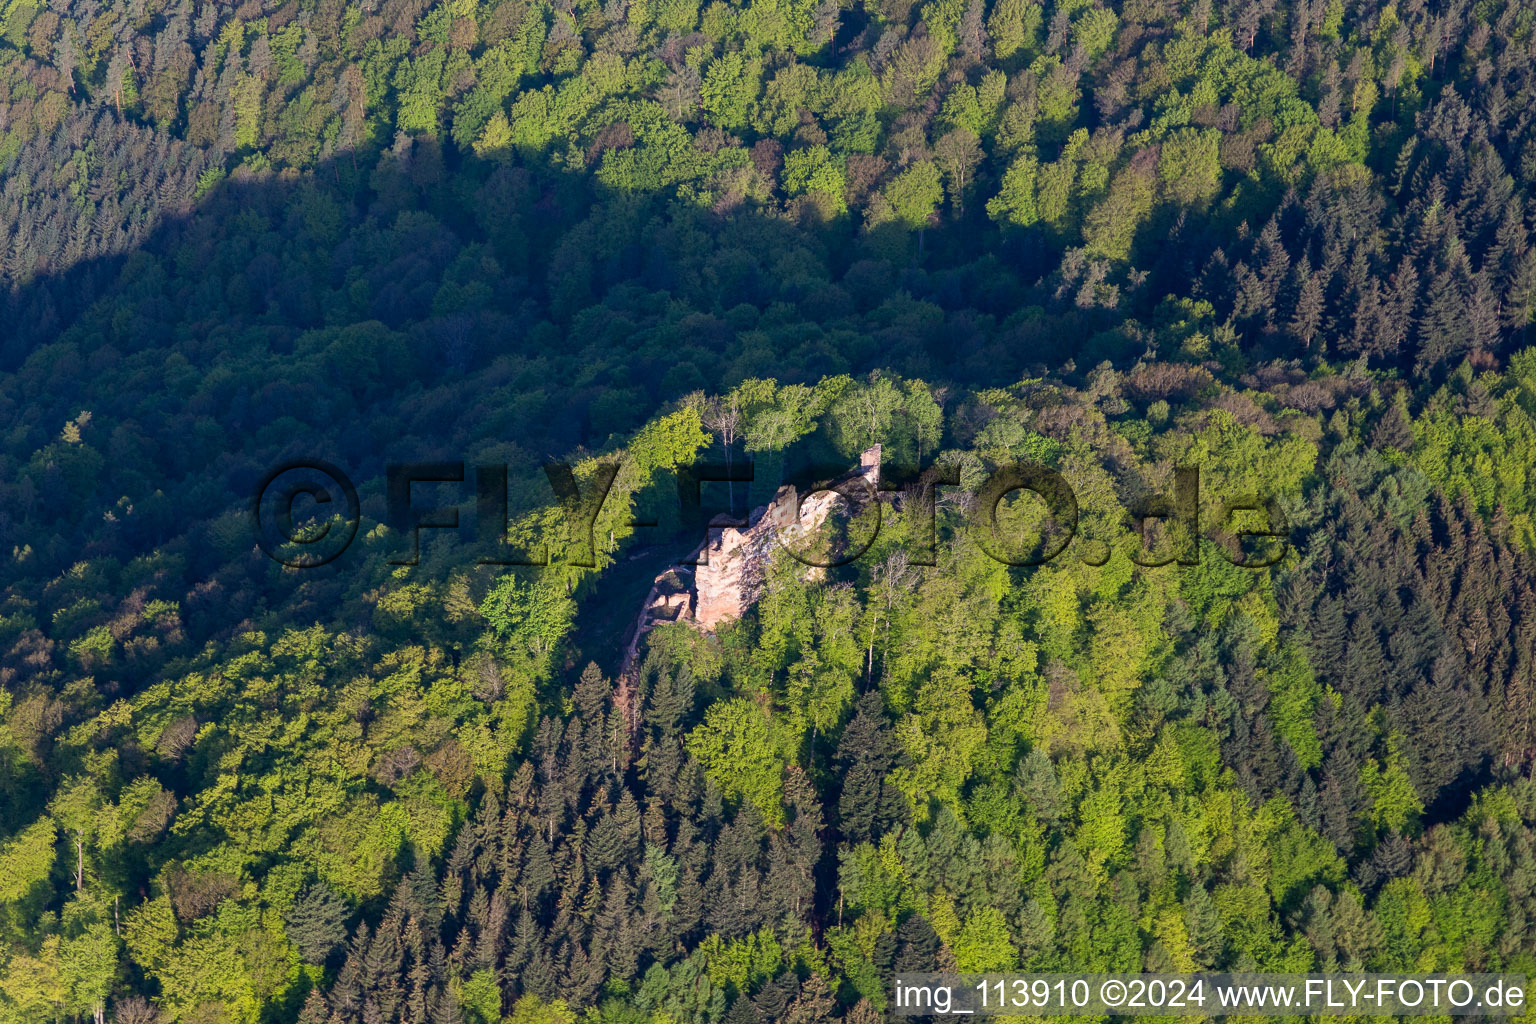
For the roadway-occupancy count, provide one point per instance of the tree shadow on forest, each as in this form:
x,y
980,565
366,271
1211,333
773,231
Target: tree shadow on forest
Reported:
x,y
431,306
417,307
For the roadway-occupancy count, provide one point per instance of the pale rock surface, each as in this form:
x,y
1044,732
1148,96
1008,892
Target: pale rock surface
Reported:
x,y
729,577
732,581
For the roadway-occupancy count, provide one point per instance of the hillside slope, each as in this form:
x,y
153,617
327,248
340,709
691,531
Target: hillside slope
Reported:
x,y
1286,243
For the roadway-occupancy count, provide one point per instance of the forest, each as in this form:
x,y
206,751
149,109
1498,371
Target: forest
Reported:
x,y
1287,242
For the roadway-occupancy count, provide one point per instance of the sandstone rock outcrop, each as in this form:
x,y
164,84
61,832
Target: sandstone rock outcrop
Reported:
x,y
728,577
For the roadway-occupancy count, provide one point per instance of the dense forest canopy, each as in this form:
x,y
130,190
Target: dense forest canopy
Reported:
x,y
1286,242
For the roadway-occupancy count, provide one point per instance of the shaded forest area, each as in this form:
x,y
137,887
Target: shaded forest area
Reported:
x,y
1288,242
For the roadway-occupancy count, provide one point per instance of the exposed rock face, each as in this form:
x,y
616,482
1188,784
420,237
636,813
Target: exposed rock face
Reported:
x,y
726,586
732,581
729,577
